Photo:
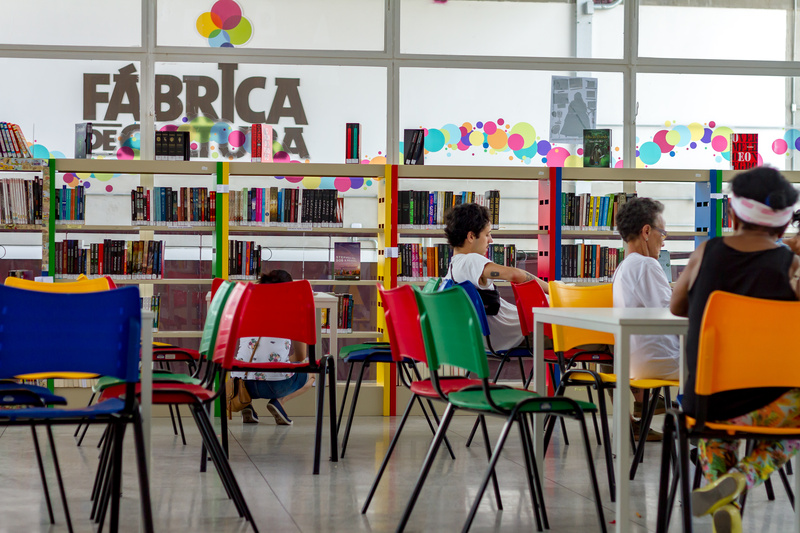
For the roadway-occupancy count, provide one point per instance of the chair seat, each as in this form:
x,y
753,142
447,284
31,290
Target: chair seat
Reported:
x,y
590,358
514,352
158,376
8,396
244,366
375,356
612,378
174,353
107,408
508,398
425,388
164,393
370,346
731,429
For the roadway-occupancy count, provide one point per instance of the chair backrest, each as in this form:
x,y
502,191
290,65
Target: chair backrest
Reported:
x,y
402,323
284,310
38,332
729,341
451,331
87,285
477,302
432,285
213,317
566,338
215,284
529,295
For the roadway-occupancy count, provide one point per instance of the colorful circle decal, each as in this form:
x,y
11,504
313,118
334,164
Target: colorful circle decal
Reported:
x,y
224,26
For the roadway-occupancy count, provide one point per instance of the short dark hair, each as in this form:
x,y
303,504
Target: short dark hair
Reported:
x,y
462,219
275,276
767,186
635,214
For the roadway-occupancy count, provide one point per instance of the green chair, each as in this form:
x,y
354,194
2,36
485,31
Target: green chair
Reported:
x,y
453,337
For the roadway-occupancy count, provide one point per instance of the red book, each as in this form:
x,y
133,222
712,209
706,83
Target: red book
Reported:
x,y
744,150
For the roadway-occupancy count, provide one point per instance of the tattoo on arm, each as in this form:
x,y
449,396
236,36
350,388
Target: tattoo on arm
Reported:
x,y
494,274
529,276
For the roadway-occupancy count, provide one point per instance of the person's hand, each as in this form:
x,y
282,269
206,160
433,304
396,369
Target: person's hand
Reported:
x,y
793,243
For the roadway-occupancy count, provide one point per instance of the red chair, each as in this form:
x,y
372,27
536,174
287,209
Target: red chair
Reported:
x,y
284,310
405,338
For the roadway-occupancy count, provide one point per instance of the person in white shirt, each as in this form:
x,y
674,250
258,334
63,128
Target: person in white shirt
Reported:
x,y
277,387
640,281
469,231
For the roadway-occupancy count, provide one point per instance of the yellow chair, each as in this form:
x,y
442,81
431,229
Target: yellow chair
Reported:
x,y
567,338
727,345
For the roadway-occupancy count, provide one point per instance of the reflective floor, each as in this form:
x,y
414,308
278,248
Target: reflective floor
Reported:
x,y
273,465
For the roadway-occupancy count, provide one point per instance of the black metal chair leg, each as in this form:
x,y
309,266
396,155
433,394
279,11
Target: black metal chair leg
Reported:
x,y
686,495
593,474
58,476
607,444
433,427
217,455
786,485
318,422
172,418
180,423
144,481
78,428
645,428
42,474
488,445
426,467
535,469
331,367
344,397
352,408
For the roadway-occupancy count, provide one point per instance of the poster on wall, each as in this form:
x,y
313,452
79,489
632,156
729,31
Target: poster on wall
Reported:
x,y
573,108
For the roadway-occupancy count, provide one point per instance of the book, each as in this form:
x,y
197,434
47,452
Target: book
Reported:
x,y
663,260
414,147
352,143
597,148
261,136
83,140
744,150
347,260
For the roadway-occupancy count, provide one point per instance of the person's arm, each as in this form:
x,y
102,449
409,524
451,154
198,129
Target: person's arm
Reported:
x,y
679,304
299,352
493,271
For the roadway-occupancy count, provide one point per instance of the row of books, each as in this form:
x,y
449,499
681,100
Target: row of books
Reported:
x,y
352,152
70,205
261,143
172,146
418,263
426,210
344,316
306,208
244,260
116,258
12,141
503,254
587,212
20,201
195,206
589,262
152,303
414,147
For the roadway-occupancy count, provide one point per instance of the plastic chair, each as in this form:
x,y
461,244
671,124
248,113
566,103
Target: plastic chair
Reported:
x,y
725,363
567,338
442,314
405,336
284,310
364,354
199,397
109,347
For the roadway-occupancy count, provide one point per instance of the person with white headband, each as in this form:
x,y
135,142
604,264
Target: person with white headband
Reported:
x,y
751,263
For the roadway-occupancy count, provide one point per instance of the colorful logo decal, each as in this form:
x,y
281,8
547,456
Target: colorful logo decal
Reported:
x,y
225,26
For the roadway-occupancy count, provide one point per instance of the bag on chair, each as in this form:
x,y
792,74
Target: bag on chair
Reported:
x,y
236,393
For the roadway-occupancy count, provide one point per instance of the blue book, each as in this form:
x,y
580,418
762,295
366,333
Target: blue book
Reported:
x,y
162,212
431,209
604,211
280,206
64,194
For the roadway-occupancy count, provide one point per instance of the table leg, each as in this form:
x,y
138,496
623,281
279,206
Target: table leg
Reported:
x,y
622,429
540,387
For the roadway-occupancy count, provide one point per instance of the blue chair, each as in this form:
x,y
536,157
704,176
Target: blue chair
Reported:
x,y
38,335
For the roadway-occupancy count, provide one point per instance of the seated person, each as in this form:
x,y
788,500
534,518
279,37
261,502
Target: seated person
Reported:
x,y
469,231
640,281
751,263
276,387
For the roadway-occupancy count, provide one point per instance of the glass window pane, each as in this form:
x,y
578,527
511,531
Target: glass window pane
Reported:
x,y
105,93
685,120
299,24
499,28
501,117
307,106
72,23
667,30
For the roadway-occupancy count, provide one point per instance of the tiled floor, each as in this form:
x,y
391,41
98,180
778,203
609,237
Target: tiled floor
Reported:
x,y
273,465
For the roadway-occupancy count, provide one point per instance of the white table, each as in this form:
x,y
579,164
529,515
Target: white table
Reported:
x,y
622,323
324,300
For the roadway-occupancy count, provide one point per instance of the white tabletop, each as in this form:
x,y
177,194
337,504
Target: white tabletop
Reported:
x,y
622,322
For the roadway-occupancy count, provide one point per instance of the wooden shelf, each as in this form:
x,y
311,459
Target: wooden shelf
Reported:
x,y
136,166
169,281
278,230
84,228
633,174
589,234
305,169
499,233
355,335
442,172
345,282
28,228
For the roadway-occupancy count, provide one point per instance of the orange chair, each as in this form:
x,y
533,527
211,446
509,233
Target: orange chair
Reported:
x,y
725,363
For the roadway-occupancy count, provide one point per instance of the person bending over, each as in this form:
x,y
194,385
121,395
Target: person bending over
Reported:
x,y
469,231
277,387
751,263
